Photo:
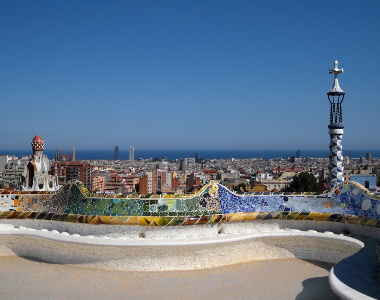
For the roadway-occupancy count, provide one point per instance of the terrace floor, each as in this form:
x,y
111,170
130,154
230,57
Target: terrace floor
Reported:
x,y
23,278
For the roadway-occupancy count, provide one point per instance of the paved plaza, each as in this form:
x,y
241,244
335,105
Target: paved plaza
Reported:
x,y
23,278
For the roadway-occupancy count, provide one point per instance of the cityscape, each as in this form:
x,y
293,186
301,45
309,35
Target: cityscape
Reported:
x,y
188,175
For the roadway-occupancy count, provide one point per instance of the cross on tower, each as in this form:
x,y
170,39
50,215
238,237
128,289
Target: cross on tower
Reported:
x,y
336,71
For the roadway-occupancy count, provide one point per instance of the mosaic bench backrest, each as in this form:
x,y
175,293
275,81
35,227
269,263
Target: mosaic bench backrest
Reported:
x,y
347,202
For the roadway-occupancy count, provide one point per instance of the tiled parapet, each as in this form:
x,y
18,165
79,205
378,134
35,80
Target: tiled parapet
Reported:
x,y
347,203
194,220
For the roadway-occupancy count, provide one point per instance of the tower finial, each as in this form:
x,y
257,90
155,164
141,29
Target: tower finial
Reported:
x,y
336,90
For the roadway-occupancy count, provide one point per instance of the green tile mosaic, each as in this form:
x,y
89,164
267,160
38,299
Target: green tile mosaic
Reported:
x,y
302,216
33,215
292,215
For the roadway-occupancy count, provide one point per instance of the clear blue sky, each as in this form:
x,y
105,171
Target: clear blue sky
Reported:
x,y
187,74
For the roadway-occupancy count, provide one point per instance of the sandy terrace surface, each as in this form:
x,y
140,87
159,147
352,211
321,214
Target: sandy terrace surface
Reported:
x,y
22,278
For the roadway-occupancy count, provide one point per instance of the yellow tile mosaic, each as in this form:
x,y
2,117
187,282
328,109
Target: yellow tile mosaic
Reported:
x,y
145,221
24,215
71,218
215,219
363,221
371,222
161,221
252,216
323,217
14,215
132,221
353,219
312,216
5,214
302,216
115,220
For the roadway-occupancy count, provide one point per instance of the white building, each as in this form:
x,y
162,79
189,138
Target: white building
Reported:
x,y
35,176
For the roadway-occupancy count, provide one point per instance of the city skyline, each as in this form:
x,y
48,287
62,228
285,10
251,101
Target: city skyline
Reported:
x,y
187,75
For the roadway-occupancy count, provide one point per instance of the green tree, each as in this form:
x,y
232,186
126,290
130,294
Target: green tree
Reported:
x,y
239,187
303,182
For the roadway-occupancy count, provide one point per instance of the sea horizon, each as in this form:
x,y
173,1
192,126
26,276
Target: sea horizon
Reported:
x,y
205,154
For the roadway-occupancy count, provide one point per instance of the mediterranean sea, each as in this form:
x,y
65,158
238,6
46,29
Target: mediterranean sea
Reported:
x,y
205,154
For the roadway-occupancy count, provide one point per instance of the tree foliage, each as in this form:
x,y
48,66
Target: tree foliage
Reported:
x,y
303,182
239,187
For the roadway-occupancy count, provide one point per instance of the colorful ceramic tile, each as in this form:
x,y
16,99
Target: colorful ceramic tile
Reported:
x,y
353,219
190,220
312,216
103,220
323,217
49,216
302,216
215,219
363,221
24,215
5,214
233,217
41,215
371,222
118,220
292,215
56,216
334,218
342,219
132,221
244,216
98,220
177,221
82,219
252,216
72,218
273,215
377,225
33,215
284,214
62,217
161,221
145,221
204,220
261,215
14,215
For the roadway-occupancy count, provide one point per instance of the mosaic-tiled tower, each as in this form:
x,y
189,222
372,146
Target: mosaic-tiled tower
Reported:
x,y
335,96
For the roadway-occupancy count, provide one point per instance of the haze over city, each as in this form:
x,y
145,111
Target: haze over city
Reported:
x,y
187,75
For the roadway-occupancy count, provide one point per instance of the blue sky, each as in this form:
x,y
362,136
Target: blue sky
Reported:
x,y
187,74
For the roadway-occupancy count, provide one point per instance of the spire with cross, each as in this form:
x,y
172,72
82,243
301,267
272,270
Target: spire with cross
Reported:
x,y
335,96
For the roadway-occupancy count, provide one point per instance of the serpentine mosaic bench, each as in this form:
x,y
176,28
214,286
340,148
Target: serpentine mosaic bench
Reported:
x,y
346,203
